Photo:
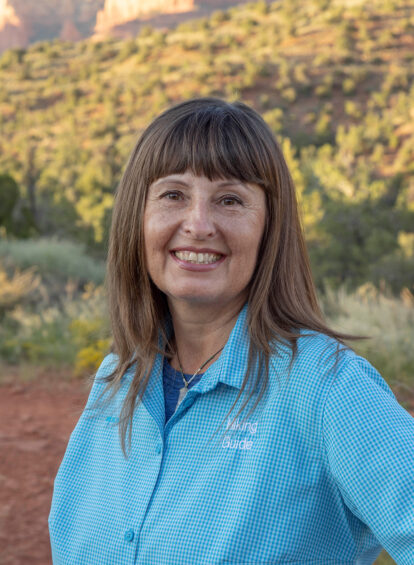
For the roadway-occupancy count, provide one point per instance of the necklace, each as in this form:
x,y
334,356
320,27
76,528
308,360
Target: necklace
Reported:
x,y
184,389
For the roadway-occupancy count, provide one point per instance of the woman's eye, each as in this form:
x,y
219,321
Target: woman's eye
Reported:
x,y
172,195
230,201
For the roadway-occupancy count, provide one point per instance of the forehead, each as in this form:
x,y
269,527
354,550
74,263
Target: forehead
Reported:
x,y
189,179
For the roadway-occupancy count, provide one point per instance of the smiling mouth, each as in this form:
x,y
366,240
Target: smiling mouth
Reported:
x,y
197,258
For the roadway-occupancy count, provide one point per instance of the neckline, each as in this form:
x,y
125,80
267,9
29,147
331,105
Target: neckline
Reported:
x,y
171,369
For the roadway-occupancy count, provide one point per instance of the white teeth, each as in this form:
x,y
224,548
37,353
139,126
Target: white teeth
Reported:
x,y
199,258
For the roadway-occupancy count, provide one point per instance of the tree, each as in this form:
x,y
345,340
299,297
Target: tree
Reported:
x,y
15,214
9,196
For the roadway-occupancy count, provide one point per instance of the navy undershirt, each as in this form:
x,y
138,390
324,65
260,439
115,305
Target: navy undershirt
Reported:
x,y
173,381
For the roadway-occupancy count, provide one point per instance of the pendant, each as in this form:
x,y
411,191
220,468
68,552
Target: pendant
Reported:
x,y
183,392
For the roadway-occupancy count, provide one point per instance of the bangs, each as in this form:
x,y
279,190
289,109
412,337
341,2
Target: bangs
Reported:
x,y
215,142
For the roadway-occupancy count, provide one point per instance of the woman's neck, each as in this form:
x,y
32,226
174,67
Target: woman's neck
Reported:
x,y
199,333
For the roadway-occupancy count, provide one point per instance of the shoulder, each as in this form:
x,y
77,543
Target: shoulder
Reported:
x,y
318,347
326,376
359,375
101,390
320,359
107,367
342,363
321,352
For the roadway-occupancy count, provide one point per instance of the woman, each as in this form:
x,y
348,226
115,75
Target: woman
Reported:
x,y
216,326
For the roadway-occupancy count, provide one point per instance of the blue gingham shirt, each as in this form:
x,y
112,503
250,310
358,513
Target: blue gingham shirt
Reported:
x,y
321,473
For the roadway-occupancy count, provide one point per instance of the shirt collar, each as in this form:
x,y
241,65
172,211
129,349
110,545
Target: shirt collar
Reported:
x,y
231,366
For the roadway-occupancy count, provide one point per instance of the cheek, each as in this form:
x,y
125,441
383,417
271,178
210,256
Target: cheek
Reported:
x,y
156,231
250,238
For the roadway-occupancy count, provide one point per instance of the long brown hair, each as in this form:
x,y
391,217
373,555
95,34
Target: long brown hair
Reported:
x,y
217,139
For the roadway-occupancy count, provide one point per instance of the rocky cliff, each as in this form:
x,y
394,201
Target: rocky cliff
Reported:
x,y
118,12
26,21
13,31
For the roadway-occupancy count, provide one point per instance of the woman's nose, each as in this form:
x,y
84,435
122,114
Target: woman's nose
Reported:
x,y
198,221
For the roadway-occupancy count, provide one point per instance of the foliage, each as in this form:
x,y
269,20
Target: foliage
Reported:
x,y
74,333
386,320
51,257
9,196
70,114
334,78
14,288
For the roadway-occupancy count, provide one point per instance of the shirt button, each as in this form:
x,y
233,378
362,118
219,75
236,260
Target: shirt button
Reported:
x,y
158,448
129,535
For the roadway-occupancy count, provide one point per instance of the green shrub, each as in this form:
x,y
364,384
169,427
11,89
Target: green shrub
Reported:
x,y
352,109
385,39
300,76
309,118
64,259
248,25
158,38
12,57
14,288
264,100
324,89
89,358
146,31
218,17
91,335
394,269
39,338
25,71
289,94
9,197
349,86
129,47
388,320
323,127
64,335
274,118
321,60
262,7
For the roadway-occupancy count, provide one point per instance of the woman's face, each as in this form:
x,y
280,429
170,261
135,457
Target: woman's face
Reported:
x,y
202,237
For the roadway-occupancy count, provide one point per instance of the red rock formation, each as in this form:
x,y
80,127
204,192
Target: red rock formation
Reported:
x,y
13,31
25,21
118,12
70,32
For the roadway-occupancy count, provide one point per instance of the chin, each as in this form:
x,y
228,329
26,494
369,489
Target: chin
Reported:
x,y
196,298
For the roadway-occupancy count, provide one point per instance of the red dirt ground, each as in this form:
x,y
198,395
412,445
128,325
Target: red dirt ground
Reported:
x,y
36,420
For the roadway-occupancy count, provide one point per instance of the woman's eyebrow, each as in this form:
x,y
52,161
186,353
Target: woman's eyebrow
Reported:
x,y
247,187
233,183
225,183
168,180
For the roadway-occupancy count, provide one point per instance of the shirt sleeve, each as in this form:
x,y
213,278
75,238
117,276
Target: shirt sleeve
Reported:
x,y
369,440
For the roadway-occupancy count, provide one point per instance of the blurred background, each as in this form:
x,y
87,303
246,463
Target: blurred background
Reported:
x,y
80,80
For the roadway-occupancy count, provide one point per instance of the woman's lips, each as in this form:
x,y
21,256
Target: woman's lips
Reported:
x,y
198,267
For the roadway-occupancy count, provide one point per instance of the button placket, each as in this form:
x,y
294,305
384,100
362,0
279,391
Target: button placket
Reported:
x,y
129,535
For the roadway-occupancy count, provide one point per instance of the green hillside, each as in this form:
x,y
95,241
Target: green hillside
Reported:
x,y
335,83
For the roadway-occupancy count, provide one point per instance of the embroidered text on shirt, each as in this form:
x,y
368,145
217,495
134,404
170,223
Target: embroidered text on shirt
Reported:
x,y
243,443
245,426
